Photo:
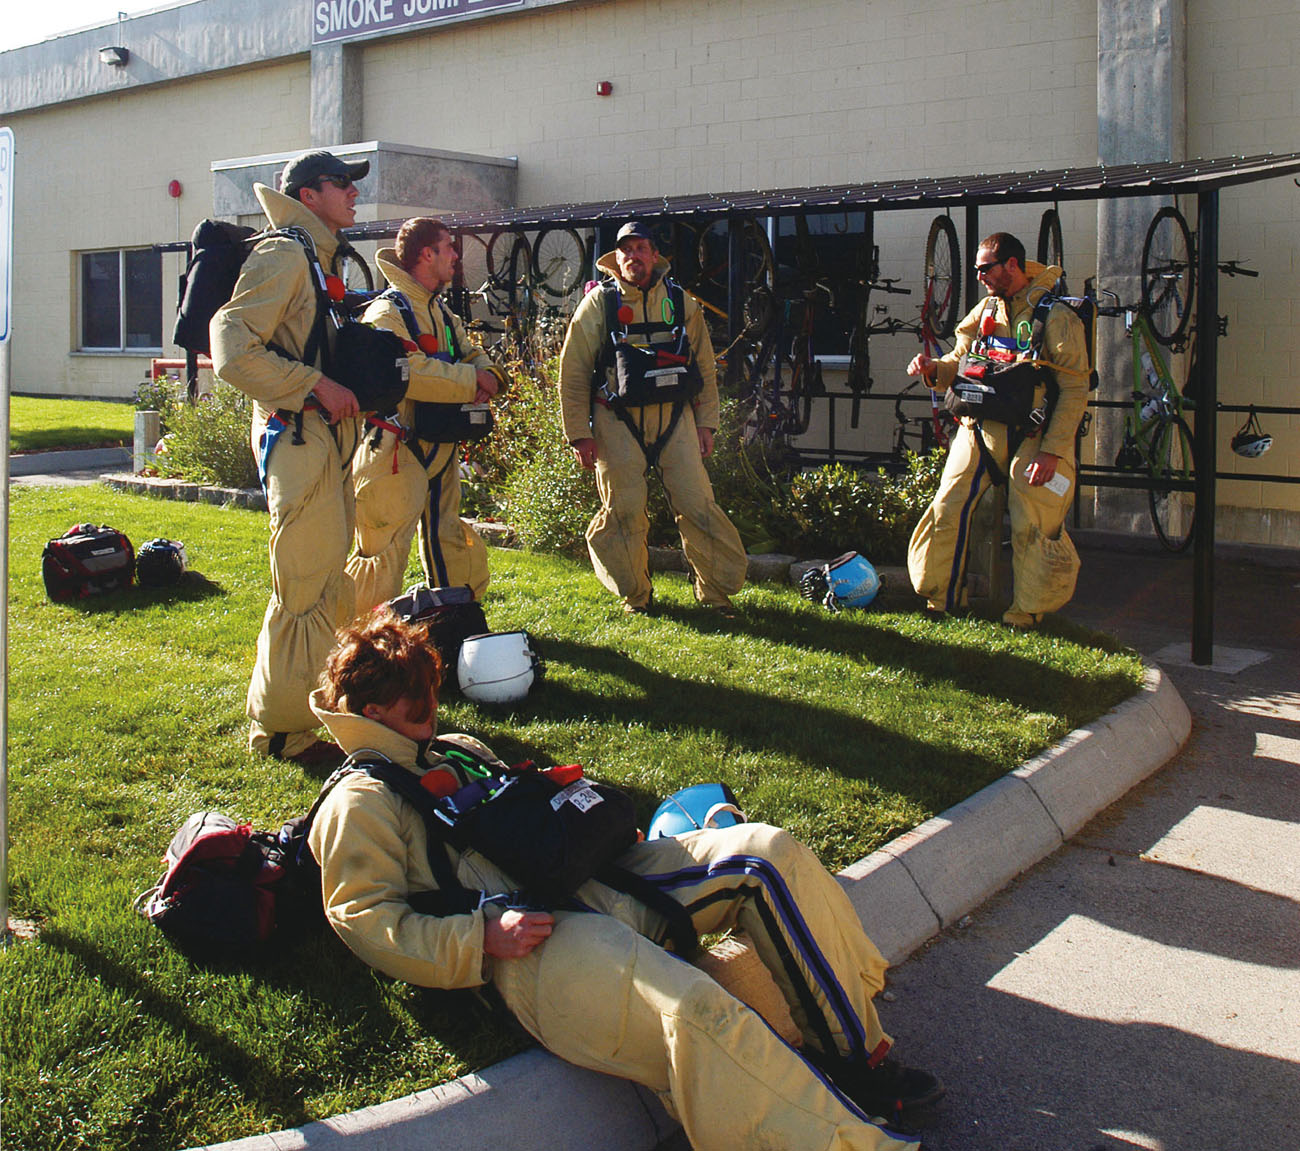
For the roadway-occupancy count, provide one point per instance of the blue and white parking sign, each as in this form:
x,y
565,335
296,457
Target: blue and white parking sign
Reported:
x,y
6,228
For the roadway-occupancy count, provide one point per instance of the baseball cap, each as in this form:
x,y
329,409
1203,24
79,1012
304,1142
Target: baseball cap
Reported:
x,y
634,228
311,166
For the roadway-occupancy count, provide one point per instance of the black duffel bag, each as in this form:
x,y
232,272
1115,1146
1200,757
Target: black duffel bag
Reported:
x,y
451,614
991,390
88,559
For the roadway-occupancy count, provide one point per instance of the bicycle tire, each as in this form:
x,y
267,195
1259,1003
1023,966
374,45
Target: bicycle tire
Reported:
x,y
1173,512
474,268
559,260
714,252
1051,247
1168,275
500,253
942,278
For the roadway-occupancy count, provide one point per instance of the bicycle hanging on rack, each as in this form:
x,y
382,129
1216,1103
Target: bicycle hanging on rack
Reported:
x,y
1157,436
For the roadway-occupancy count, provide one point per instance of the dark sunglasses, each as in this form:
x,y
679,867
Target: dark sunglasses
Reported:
x,y
985,269
342,183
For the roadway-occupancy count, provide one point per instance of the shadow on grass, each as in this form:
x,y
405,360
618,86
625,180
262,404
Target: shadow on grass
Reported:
x,y
322,973
853,747
1020,680
192,587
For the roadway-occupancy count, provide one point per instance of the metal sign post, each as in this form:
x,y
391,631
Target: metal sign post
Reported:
x,y
6,311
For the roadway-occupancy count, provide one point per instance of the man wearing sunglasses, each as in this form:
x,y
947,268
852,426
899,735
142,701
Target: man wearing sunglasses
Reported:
x,y
1036,461
267,341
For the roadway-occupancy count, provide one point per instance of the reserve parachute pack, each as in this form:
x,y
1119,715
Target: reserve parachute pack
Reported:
x,y
228,888
441,423
648,373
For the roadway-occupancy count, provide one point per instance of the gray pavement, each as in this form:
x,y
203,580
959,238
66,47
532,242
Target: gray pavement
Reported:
x,y
1141,987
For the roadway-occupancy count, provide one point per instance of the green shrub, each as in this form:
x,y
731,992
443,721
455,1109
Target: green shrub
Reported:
x,y
544,494
207,441
836,508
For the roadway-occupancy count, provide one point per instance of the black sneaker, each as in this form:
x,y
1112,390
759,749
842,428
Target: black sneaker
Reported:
x,y
888,1089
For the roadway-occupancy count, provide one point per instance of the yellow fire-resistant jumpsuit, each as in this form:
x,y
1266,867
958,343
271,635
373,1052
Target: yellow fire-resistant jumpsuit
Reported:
x,y
600,992
402,483
616,537
1044,562
305,466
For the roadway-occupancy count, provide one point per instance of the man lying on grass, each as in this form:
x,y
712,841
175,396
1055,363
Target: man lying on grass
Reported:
x,y
591,980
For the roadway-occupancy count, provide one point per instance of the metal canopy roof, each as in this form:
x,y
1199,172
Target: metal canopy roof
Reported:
x,y
1096,183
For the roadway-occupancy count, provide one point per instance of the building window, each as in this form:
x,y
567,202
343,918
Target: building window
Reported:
x,y
121,300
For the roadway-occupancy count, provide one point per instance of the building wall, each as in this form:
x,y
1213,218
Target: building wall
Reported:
x,y
708,96
1243,99
94,174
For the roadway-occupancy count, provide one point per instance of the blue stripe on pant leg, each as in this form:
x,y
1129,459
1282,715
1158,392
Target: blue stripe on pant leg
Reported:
x,y
963,527
796,928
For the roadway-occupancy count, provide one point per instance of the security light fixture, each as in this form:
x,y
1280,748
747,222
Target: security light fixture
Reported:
x,y
115,56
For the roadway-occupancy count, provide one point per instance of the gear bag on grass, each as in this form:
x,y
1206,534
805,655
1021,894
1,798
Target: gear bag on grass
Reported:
x,y
87,560
228,888
451,614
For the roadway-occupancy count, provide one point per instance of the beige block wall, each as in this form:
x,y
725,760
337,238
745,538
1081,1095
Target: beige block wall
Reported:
x,y
95,175
725,96
1243,84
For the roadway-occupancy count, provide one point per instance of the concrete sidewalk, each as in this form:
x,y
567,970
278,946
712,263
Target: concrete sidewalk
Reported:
x,y
1141,988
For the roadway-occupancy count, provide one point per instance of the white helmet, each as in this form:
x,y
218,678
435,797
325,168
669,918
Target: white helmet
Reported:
x,y
1251,440
498,667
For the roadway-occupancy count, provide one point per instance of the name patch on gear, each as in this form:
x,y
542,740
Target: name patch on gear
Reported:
x,y
581,794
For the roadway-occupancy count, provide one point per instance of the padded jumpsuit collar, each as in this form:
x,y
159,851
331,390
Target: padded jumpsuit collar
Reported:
x,y
285,212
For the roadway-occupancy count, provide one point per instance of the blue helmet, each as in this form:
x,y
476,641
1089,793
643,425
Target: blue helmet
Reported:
x,y
696,807
847,581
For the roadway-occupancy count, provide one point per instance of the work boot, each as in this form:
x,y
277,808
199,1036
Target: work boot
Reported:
x,y
1024,620
646,608
888,1089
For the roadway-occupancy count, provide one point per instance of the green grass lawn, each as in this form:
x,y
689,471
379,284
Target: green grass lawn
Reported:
x,y
38,423
126,715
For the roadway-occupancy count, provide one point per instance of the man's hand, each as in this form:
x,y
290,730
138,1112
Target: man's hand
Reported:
x,y
488,386
516,933
706,442
339,402
585,450
1041,469
922,365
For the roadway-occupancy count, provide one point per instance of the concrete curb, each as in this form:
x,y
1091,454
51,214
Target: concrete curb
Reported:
x,y
73,460
907,892
171,489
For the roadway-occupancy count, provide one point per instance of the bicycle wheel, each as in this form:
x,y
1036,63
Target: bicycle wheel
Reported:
x,y
474,269
1168,275
714,252
500,253
1173,512
559,260
942,278
1051,247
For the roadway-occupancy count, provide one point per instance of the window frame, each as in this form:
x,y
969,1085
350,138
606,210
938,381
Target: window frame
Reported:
x,y
124,308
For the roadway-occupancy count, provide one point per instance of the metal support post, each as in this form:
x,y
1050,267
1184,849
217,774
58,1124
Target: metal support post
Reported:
x,y
1204,437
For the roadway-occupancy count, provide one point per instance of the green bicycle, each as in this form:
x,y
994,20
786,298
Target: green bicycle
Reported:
x,y
1157,437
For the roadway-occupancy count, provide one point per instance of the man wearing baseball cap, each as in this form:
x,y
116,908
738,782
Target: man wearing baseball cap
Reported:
x,y
267,342
638,391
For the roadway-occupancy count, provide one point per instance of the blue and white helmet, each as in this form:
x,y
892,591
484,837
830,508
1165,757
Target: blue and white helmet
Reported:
x,y
695,808
847,581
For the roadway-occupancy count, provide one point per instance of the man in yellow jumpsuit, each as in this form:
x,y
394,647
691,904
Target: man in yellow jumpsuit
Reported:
x,y
1040,477
624,437
592,981
402,479
304,432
